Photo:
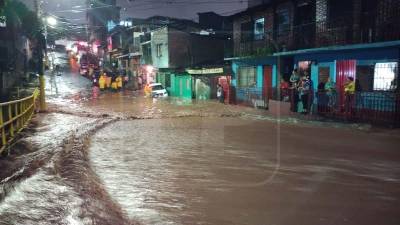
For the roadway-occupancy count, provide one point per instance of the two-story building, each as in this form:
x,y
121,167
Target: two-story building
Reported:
x,y
170,47
325,38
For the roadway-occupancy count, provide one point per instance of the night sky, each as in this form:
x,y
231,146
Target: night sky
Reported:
x,y
74,10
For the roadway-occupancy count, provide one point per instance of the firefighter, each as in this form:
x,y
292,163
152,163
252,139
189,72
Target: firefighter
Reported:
x,y
147,90
108,81
114,85
102,82
119,81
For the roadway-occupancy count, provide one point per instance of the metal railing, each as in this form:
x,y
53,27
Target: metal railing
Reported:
x,y
319,34
374,107
14,116
251,96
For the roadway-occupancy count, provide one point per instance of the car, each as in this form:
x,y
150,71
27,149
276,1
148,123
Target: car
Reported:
x,y
157,90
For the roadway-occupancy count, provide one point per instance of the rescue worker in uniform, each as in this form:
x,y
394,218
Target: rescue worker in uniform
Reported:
x,y
108,81
119,82
147,90
114,85
102,82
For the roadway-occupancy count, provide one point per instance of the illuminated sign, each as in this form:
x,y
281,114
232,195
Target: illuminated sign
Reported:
x,y
3,21
109,44
205,71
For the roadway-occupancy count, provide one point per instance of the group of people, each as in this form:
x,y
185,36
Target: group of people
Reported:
x,y
109,80
302,88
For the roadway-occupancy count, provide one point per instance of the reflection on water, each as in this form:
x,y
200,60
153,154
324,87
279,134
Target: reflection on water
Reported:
x,y
182,171
213,171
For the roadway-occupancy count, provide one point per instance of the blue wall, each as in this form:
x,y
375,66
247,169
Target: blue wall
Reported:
x,y
358,54
260,76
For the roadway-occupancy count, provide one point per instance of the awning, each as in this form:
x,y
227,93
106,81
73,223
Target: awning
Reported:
x,y
205,71
122,56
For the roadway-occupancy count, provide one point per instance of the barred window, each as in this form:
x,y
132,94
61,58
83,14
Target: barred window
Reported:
x,y
259,29
385,76
247,76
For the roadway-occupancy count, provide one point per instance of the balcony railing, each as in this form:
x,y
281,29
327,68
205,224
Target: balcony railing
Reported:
x,y
145,38
321,34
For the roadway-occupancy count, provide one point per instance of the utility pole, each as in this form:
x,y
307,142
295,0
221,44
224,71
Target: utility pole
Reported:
x,y
41,66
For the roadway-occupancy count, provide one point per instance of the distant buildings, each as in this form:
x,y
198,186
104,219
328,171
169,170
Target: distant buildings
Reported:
x,y
158,48
99,13
323,38
17,45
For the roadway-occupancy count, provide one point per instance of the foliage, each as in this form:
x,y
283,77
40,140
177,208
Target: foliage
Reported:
x,y
17,13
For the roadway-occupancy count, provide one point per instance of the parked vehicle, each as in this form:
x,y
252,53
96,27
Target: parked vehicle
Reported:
x,y
157,90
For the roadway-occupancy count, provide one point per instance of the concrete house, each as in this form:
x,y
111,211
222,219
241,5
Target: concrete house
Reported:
x,y
326,39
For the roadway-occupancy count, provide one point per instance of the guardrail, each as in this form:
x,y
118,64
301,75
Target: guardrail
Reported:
x,y
14,116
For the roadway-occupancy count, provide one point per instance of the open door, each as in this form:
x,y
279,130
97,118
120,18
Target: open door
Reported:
x,y
267,83
344,69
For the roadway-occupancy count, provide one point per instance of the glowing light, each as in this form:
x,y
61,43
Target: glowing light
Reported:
x,y
51,21
149,69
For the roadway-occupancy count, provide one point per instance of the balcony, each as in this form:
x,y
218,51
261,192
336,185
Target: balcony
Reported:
x,y
145,38
320,34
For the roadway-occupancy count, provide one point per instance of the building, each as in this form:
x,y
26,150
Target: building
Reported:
x,y
162,49
16,48
253,3
324,38
98,15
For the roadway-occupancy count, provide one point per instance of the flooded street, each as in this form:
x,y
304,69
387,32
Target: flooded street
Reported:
x,y
235,171
120,158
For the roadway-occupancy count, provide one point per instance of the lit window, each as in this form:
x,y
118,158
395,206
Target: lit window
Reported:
x,y
385,76
247,76
159,50
3,21
283,23
259,29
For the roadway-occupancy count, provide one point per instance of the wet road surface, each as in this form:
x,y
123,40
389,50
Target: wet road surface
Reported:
x,y
235,171
118,158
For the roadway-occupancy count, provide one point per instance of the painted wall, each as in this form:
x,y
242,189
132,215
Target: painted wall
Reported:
x,y
181,86
358,54
160,38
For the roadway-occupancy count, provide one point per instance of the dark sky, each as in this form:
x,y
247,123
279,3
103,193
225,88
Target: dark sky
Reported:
x,y
74,10
178,8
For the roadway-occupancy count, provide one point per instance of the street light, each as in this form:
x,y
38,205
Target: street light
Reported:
x,y
51,21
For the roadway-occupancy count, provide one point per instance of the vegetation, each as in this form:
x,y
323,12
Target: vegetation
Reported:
x,y
16,13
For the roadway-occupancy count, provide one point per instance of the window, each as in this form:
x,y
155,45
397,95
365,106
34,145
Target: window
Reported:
x,y
3,21
365,77
259,29
247,76
385,76
159,50
246,31
283,23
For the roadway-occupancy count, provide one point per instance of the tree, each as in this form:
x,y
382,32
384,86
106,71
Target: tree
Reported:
x,y
16,13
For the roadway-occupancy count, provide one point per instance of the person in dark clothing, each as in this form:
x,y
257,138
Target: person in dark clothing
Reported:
x,y
220,93
304,90
322,98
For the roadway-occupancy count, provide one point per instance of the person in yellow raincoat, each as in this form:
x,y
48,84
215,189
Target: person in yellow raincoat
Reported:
x,y
147,90
114,85
102,82
119,82
108,81
349,91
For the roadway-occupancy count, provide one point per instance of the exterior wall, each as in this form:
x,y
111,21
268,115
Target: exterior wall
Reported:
x,y
253,3
160,37
181,86
179,49
206,50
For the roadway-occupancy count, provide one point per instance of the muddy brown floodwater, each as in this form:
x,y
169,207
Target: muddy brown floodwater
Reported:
x,y
117,158
240,171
